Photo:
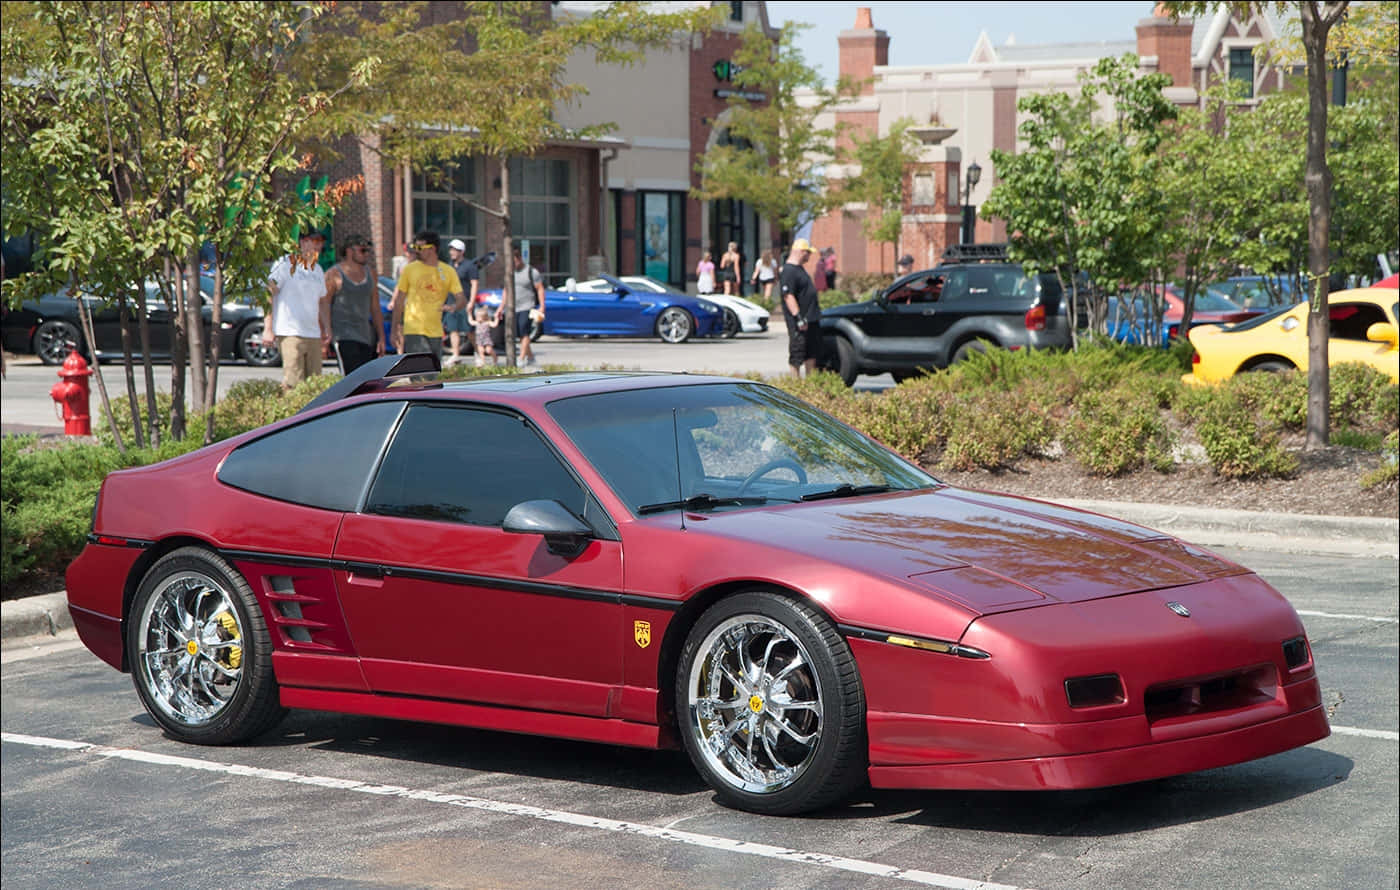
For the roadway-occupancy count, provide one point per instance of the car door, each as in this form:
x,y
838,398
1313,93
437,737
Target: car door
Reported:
x,y
574,313
442,602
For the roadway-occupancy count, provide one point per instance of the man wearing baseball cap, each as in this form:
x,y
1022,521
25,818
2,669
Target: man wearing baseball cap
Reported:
x,y
457,322
297,284
904,266
801,310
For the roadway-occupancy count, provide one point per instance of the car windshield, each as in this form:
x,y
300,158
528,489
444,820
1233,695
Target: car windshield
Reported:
x,y
725,446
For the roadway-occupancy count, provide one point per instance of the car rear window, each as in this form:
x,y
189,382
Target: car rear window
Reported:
x,y
325,462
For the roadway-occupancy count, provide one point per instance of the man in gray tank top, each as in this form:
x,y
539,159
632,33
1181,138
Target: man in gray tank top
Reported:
x,y
350,308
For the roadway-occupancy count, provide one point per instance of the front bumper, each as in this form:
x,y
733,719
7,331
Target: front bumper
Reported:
x,y
1098,769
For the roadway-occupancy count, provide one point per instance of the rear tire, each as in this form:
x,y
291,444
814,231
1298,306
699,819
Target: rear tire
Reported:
x,y
199,651
964,351
54,340
1272,367
846,364
251,348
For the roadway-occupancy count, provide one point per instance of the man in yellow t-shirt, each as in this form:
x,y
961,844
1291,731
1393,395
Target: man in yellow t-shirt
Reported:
x,y
426,289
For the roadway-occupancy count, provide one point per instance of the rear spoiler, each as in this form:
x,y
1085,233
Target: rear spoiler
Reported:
x,y
375,375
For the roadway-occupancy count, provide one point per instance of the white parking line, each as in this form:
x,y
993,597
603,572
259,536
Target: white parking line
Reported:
x,y
824,860
1380,619
1367,733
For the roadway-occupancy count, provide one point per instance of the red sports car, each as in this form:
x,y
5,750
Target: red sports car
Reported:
x,y
674,560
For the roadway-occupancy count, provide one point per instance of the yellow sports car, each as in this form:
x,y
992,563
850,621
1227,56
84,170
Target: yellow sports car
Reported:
x,y
1363,329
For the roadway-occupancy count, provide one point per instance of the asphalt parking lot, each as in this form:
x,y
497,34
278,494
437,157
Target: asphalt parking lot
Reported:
x,y
94,794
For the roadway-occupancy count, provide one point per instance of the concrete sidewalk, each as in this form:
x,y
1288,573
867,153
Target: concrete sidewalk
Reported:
x,y
47,615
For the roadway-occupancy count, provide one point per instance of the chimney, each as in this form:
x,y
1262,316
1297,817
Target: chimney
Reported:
x,y
862,48
1169,40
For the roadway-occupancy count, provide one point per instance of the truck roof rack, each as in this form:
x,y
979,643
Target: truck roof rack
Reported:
x,y
974,253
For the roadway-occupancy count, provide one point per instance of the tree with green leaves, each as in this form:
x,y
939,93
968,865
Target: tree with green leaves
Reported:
x,y
773,154
134,135
879,181
1082,198
476,79
1315,21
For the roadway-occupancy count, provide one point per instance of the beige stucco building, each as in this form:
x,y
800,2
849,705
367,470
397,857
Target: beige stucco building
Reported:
x,y
964,111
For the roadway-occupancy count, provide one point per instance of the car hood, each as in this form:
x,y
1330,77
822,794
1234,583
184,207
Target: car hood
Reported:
x,y
987,552
864,307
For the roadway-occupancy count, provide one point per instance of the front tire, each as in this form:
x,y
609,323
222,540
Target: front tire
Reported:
x,y
674,325
846,364
770,705
200,652
732,325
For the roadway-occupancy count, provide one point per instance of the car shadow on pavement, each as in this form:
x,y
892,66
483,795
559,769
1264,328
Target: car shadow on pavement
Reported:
x,y
1121,809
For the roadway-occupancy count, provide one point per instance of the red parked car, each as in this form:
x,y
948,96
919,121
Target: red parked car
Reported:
x,y
1210,308
677,561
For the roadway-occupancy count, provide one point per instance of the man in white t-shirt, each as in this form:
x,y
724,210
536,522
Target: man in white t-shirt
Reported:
x,y
297,284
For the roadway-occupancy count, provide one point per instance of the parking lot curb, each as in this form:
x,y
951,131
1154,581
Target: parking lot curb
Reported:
x,y
47,614
43,615
1363,536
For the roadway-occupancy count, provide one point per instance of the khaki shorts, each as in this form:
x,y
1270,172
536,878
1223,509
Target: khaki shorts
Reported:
x,y
301,358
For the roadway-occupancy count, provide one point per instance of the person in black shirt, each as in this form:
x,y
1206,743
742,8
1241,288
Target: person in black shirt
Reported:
x,y
801,310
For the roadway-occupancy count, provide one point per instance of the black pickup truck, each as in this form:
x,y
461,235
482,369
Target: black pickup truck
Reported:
x,y
973,300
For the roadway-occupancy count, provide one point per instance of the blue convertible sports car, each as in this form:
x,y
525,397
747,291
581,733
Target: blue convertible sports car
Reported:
x,y
619,312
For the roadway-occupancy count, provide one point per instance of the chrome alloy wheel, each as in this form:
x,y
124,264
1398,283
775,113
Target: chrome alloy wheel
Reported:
x,y
755,707
190,648
675,325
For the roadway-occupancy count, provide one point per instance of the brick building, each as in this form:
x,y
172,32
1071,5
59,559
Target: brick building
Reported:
x,y
619,203
963,111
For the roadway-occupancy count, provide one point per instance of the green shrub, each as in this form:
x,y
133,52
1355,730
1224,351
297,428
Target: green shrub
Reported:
x,y
865,285
1389,470
1362,398
993,430
1116,431
1238,447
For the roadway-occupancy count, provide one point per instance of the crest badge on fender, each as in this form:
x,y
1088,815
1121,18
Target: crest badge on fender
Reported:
x,y
641,632
1179,609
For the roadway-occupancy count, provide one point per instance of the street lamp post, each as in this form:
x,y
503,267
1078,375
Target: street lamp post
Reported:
x,y
969,212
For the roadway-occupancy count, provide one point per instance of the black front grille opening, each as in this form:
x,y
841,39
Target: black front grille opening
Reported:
x,y
1295,652
1095,691
1227,692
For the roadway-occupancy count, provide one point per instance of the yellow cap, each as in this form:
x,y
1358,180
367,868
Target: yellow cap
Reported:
x,y
802,244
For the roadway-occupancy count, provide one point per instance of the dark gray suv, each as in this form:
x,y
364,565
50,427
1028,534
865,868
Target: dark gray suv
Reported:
x,y
936,317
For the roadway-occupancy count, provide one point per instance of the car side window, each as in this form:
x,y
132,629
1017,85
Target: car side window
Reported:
x,y
325,462
470,465
955,285
1350,321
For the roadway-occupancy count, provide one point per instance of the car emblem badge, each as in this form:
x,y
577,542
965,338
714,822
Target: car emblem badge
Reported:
x,y
641,632
192,647
756,704
1179,609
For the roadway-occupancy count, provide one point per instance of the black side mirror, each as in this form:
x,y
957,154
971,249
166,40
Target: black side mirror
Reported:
x,y
564,533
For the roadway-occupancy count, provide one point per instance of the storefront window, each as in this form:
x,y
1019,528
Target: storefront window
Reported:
x,y
542,212
435,208
660,236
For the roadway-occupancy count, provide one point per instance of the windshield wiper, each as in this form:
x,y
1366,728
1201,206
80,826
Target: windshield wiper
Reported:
x,y
697,502
845,491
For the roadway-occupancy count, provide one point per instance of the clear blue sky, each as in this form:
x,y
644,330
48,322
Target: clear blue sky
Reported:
x,y
935,33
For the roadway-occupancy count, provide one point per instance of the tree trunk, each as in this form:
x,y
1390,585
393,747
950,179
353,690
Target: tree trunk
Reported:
x,y
508,285
133,404
211,391
85,317
178,357
1316,23
143,330
194,325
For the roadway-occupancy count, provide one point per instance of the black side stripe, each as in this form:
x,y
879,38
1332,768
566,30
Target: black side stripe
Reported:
x,y
863,633
564,591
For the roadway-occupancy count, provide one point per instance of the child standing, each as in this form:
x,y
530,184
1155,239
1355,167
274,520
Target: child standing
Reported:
x,y
485,322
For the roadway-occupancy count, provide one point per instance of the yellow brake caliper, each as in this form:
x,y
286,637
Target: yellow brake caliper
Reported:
x,y
233,655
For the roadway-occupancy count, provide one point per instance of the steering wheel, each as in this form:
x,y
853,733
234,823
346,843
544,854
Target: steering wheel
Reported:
x,y
774,464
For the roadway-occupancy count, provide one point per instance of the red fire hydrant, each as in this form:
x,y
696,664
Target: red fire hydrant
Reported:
x,y
72,393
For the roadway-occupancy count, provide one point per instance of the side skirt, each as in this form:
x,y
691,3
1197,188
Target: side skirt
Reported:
x,y
567,726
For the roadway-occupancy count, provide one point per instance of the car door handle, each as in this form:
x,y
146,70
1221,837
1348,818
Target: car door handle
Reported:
x,y
929,312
